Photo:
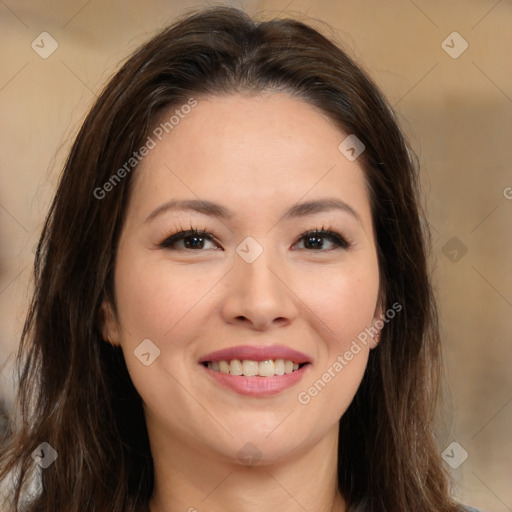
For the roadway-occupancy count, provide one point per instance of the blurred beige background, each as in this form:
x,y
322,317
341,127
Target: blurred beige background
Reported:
x,y
455,105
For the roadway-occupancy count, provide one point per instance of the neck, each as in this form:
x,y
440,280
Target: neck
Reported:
x,y
190,479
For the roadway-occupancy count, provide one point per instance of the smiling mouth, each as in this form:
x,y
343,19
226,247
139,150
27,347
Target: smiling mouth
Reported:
x,y
252,368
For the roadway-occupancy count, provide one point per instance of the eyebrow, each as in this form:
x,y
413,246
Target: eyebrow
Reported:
x,y
216,210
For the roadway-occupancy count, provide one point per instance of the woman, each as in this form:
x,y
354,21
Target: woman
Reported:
x,y
232,307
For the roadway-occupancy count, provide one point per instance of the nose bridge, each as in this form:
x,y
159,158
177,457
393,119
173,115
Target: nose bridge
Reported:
x,y
259,275
257,289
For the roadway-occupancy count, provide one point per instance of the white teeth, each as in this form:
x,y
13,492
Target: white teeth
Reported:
x,y
279,367
235,367
266,368
250,368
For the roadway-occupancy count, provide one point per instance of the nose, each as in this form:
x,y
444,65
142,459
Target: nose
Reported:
x,y
258,295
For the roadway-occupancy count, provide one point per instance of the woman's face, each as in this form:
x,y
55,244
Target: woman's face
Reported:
x,y
258,173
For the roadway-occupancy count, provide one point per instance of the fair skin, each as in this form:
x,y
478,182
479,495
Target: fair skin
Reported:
x,y
257,156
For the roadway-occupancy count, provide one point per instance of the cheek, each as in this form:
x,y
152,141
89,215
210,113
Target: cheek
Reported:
x,y
161,304
153,299
344,303
343,300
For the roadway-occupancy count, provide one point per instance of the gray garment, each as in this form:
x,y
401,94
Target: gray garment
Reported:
x,y
471,509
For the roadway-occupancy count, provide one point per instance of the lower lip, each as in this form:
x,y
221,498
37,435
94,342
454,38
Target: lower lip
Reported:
x,y
258,386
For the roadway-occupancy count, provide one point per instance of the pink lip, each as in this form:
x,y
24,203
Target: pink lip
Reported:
x,y
257,353
258,386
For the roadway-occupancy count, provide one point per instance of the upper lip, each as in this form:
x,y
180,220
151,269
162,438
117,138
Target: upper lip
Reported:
x,y
256,353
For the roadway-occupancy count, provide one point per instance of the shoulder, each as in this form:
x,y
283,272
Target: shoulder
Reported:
x,y
466,508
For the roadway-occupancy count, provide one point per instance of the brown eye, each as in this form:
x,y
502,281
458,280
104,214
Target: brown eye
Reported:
x,y
192,240
315,240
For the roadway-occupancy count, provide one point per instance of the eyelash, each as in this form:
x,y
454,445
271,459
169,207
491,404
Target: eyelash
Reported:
x,y
324,233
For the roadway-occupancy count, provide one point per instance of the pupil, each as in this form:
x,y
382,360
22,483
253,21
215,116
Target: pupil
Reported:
x,y
317,241
198,242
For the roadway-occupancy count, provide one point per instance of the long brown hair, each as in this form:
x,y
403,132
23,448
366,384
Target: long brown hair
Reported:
x,y
74,389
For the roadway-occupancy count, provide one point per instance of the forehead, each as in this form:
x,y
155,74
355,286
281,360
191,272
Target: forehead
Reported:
x,y
248,151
